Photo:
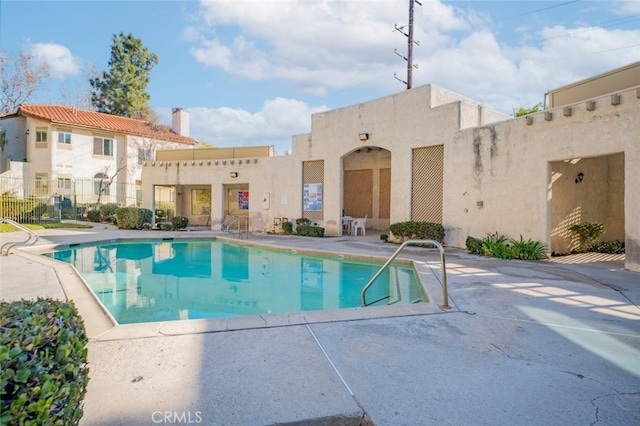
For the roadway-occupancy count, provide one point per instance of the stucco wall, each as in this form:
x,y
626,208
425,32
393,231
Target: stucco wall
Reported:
x,y
14,148
497,177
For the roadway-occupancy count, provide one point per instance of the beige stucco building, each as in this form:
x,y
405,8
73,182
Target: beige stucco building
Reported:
x,y
428,154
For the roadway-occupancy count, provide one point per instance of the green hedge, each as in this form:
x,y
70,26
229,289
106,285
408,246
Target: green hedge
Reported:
x,y
310,231
179,222
107,211
418,230
93,215
132,217
43,360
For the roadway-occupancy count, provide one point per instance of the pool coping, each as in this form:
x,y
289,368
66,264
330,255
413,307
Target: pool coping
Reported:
x,y
100,325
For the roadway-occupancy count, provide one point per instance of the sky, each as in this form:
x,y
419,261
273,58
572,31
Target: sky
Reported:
x,y
254,72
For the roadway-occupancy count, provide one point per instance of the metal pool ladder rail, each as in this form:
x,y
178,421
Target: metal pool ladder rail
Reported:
x,y
238,229
445,295
32,237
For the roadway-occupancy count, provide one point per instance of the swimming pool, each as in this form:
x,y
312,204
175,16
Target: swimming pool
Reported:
x,y
164,280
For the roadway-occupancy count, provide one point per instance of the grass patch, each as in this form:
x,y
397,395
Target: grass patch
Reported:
x,y
6,227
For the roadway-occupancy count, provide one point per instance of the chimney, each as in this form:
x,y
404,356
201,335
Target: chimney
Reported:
x,y
180,121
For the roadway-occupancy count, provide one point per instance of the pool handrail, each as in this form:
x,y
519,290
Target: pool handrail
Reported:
x,y
236,220
9,245
445,294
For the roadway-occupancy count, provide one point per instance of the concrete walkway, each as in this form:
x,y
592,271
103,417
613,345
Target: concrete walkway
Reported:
x,y
542,343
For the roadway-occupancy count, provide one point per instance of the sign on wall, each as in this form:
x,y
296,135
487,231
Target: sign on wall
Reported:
x,y
243,200
312,197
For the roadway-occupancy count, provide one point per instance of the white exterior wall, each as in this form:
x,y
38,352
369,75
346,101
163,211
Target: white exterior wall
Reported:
x,y
505,165
264,177
14,149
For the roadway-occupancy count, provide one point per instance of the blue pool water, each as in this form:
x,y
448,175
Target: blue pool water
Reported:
x,y
161,280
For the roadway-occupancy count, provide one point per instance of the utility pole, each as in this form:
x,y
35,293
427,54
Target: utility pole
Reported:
x,y
410,43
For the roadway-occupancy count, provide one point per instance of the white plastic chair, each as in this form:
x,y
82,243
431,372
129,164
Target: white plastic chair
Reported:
x,y
359,224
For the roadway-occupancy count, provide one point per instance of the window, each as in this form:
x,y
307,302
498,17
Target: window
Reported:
x,y
144,155
64,137
41,138
64,183
42,183
103,146
101,184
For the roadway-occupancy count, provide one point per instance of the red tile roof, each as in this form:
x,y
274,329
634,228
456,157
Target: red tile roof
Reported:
x,y
97,120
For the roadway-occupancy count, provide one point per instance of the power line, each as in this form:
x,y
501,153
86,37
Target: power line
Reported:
x,y
545,8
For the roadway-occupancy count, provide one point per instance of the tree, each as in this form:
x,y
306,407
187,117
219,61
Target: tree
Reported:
x,y
19,79
526,111
121,91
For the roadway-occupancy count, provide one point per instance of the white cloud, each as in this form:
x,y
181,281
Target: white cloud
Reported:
x,y
321,45
626,7
62,64
275,124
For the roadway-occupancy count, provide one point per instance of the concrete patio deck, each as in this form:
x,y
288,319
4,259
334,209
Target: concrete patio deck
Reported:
x,y
536,343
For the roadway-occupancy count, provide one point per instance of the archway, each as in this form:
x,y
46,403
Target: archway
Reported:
x,y
366,186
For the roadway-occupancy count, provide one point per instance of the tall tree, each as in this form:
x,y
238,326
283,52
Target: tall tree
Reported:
x,y
121,91
19,79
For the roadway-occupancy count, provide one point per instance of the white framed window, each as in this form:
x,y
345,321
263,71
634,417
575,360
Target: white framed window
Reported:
x,y
64,183
103,146
101,184
42,138
42,183
64,137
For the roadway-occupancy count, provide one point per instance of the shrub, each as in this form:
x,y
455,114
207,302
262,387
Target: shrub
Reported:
x,y
495,245
107,211
165,226
384,237
587,232
528,250
303,221
418,230
43,359
474,245
166,208
610,247
287,227
310,231
179,222
93,215
132,217
19,209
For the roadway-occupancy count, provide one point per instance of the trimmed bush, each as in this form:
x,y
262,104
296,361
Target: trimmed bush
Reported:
x,y
303,221
610,247
310,231
93,215
474,245
132,217
418,230
165,226
107,211
43,360
287,227
384,237
179,222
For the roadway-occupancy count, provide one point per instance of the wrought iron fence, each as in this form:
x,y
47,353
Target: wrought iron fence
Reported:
x,y
43,200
